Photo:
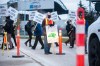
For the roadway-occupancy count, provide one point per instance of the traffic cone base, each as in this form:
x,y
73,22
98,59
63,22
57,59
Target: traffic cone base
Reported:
x,y
20,56
60,53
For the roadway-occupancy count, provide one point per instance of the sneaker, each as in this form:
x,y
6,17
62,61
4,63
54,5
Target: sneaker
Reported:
x,y
56,44
11,47
25,43
46,53
42,47
30,45
33,47
50,52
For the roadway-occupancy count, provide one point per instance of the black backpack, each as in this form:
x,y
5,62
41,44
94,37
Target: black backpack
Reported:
x,y
7,26
27,27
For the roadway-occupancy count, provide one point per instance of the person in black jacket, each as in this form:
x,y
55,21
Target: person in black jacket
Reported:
x,y
8,28
72,35
68,30
28,28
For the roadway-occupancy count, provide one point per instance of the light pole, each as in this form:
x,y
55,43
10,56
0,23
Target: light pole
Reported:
x,y
89,6
24,14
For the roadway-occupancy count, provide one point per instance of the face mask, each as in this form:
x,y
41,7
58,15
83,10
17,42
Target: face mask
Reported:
x,y
70,23
49,16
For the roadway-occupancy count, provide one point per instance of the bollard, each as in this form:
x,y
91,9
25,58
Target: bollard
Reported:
x,y
18,41
18,44
60,43
80,37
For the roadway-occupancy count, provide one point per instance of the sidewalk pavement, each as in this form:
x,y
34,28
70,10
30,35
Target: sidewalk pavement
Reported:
x,y
8,60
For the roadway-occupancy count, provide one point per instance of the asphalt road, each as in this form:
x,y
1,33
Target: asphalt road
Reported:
x,y
69,59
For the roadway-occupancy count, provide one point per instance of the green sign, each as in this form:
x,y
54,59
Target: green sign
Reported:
x,y
53,35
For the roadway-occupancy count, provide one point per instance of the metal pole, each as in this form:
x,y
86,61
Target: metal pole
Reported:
x,y
89,6
24,14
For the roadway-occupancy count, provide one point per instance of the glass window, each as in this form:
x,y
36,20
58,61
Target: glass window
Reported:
x,y
22,17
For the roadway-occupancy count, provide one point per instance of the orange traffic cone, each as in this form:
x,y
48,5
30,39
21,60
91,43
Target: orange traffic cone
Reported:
x,y
18,44
60,43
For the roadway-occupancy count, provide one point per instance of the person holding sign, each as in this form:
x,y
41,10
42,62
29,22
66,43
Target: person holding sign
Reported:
x,y
47,22
8,28
38,33
28,29
71,31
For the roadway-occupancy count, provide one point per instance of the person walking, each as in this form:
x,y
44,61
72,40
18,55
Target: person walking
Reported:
x,y
38,33
47,22
72,35
68,30
71,31
28,29
8,28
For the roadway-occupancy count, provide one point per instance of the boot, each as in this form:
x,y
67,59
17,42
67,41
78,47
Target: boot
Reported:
x,y
25,43
30,45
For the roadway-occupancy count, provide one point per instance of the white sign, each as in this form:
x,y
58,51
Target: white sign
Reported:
x,y
54,16
13,13
52,34
38,17
31,15
35,4
72,14
3,10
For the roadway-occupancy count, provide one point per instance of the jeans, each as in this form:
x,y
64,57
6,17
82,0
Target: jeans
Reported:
x,y
46,45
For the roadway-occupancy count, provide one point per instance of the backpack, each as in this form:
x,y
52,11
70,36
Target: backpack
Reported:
x,y
7,26
26,27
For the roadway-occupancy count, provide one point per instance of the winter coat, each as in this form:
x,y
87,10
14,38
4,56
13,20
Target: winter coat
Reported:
x,y
38,30
68,28
28,28
44,25
9,26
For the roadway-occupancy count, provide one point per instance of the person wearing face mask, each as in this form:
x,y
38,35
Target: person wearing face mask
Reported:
x,y
68,30
47,22
71,33
28,29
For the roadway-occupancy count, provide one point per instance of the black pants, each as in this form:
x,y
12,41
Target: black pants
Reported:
x,y
30,38
38,38
14,38
72,41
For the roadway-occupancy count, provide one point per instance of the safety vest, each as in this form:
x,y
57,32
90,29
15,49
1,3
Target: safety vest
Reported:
x,y
48,22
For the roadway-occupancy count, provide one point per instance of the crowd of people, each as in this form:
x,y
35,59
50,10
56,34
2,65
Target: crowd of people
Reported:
x,y
39,30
